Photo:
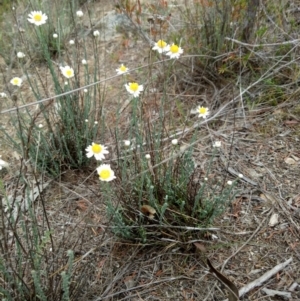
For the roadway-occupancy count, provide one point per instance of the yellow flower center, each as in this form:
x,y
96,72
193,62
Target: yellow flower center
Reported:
x,y
202,110
174,48
69,73
16,81
96,148
37,18
134,87
104,174
161,44
123,68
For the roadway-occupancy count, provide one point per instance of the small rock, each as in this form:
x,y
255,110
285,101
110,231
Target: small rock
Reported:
x,y
112,24
273,220
290,161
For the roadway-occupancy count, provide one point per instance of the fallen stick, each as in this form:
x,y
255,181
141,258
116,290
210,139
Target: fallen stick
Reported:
x,y
244,290
272,293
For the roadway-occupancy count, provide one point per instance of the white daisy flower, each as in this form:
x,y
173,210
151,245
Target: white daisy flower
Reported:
x,y
127,142
241,175
71,42
16,81
203,112
3,164
96,33
55,35
161,46
37,18
214,237
20,55
2,94
84,62
147,156
134,88
229,183
217,144
79,13
174,51
96,150
122,70
67,71
175,141
105,173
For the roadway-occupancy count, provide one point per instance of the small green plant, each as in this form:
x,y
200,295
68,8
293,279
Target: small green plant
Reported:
x,y
206,27
157,187
55,135
26,245
163,192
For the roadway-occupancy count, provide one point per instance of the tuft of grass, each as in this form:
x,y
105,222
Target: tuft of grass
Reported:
x,y
55,135
163,194
31,259
159,187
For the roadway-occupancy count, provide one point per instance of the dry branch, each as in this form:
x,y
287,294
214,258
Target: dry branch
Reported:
x,y
266,276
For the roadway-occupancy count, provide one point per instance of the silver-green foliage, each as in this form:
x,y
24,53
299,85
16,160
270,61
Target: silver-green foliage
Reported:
x,y
69,120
